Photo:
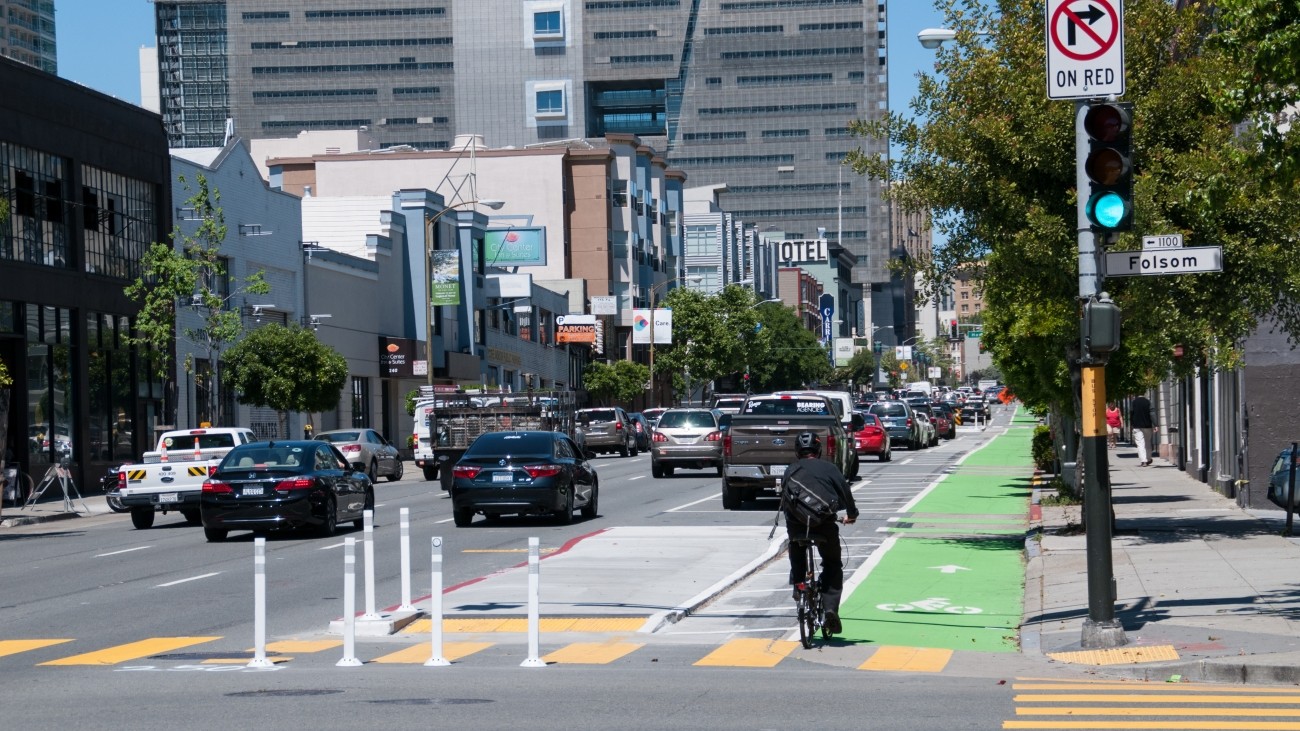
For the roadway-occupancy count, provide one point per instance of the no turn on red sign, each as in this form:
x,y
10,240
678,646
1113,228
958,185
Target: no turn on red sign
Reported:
x,y
1085,49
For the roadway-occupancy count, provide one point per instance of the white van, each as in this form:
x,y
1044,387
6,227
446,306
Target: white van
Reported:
x,y
922,387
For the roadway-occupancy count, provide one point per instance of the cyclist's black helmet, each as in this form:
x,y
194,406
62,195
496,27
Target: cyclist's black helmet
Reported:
x,y
807,443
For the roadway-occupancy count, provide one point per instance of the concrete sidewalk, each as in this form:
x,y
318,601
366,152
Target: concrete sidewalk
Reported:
x,y
1205,590
12,516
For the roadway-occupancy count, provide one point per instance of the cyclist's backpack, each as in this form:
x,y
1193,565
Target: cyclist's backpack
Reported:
x,y
808,502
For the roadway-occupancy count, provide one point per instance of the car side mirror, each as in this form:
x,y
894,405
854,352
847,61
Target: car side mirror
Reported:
x,y
858,422
588,454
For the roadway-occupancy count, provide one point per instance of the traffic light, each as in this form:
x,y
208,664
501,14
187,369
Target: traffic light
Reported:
x,y
1108,165
952,331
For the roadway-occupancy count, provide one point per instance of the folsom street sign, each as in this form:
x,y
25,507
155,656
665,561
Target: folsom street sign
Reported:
x,y
1190,260
1085,49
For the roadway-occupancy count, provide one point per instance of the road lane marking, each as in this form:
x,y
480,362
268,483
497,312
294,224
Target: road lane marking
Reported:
x,y
714,496
592,653
124,550
891,658
907,461
1156,698
749,653
13,647
638,477
183,581
419,654
131,651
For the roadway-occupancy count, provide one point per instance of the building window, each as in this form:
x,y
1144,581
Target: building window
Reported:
x,y
548,26
550,103
360,402
965,295
701,241
965,308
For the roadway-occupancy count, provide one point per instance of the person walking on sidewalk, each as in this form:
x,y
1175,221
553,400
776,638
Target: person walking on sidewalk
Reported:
x,y
1113,424
825,534
1143,425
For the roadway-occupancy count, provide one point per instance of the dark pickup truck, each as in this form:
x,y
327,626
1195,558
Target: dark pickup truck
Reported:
x,y
760,442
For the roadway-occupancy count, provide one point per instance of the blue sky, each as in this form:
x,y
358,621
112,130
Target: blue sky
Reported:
x,y
99,43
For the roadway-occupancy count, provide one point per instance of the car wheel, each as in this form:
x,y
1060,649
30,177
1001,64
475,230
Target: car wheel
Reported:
x,y
589,511
360,522
142,518
331,523
446,476
623,451
720,472
668,471
636,449
656,471
373,471
853,471
397,473
730,497
192,516
462,517
214,535
564,515
430,473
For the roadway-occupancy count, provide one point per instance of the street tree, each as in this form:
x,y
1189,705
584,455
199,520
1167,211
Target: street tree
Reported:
x,y
713,335
286,369
192,270
794,358
993,161
860,370
620,382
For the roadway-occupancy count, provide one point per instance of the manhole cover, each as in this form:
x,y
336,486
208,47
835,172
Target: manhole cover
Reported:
x,y
288,692
433,701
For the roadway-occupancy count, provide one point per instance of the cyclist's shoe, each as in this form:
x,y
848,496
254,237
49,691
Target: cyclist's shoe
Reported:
x,y
833,623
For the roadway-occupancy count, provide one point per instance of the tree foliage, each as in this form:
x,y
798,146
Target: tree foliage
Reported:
x,y
993,160
190,269
286,369
620,382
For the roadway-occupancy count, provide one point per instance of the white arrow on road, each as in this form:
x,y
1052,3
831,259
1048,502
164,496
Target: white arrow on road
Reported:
x,y
950,569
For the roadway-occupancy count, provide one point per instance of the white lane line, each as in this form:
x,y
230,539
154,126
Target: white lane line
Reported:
x,y
125,550
907,461
192,578
332,545
714,496
444,520
638,477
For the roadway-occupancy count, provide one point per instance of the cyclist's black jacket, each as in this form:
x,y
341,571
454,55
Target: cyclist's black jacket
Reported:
x,y
827,474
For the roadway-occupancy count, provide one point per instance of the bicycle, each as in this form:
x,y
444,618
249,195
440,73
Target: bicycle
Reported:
x,y
808,598
15,486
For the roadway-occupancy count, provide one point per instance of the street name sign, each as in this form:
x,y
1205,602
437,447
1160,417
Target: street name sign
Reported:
x,y
1085,49
1148,262
1165,241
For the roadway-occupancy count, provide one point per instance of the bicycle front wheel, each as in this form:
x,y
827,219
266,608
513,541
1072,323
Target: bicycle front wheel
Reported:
x,y
807,620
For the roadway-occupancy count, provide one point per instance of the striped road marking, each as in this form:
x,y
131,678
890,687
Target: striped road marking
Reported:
x,y
749,653
420,654
592,653
131,651
891,658
1111,704
13,647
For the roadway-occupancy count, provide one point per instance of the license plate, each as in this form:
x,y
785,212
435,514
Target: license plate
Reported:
x,y
503,477
253,490
169,497
778,470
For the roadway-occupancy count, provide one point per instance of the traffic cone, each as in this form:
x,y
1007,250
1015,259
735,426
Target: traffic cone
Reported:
x,y
198,453
163,458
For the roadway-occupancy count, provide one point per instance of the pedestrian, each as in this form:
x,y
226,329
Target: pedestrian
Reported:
x,y
1143,425
1113,423
307,431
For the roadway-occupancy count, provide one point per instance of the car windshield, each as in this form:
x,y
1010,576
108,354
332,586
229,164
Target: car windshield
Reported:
x,y
684,419
515,444
340,436
889,409
290,457
787,406
600,415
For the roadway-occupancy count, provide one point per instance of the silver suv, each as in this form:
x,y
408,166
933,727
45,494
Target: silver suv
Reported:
x,y
687,438
608,430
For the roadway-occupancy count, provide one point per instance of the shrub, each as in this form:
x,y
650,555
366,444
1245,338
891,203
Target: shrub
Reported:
x,y
1042,449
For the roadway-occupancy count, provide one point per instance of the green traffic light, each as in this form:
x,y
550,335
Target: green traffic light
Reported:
x,y
1108,210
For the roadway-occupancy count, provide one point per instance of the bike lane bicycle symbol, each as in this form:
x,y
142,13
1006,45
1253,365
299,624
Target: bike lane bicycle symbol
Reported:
x,y
933,604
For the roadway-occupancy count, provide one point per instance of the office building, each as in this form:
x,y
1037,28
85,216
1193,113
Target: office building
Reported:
x,y
27,33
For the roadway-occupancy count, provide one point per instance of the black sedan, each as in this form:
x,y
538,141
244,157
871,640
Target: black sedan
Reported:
x,y
523,473
292,484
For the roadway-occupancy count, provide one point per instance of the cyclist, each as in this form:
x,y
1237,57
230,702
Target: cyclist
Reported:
x,y
826,534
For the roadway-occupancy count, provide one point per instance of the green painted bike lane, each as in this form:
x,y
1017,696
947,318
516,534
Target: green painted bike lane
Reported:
x,y
951,575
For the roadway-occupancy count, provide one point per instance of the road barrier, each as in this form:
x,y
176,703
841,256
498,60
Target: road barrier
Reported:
x,y
259,605
368,536
435,606
534,605
404,519
349,659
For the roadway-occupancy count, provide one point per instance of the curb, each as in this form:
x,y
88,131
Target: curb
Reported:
x,y
668,617
1213,670
17,520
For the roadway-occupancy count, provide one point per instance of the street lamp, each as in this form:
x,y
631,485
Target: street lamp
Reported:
x,y
428,275
654,400
934,37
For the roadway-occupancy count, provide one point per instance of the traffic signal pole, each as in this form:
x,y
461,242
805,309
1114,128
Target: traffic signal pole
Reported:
x,y
1101,629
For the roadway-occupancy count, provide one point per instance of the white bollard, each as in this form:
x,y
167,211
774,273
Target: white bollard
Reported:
x,y
259,605
405,520
368,535
534,605
435,607
349,659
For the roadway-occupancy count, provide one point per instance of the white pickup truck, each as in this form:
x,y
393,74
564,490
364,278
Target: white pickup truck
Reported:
x,y
171,477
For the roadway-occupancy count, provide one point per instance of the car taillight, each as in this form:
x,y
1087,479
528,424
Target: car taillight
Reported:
x,y
121,480
467,471
297,483
351,448
618,426
213,487
658,437
713,436
542,470
909,423
212,470
726,446
830,445
415,438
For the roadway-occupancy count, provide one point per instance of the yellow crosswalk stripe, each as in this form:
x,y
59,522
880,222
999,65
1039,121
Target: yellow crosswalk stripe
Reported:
x,y
592,653
13,647
419,654
1136,711
1154,698
908,659
1158,725
749,653
131,651
1152,687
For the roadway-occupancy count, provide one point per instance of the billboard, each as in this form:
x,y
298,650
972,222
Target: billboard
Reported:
x,y
575,329
843,351
661,334
397,358
513,247
444,277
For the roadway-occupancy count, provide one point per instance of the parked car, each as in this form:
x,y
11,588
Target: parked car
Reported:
x,y
947,420
642,428
929,435
687,438
872,438
608,430
1279,478
523,473
729,404
284,485
899,422
368,451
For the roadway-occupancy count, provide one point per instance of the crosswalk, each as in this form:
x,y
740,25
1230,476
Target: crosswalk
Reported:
x,y
413,647
1044,704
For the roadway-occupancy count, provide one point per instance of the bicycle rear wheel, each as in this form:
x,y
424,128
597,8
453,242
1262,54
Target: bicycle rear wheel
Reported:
x,y
807,619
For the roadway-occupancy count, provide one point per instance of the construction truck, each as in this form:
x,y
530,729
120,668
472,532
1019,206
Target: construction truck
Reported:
x,y
447,422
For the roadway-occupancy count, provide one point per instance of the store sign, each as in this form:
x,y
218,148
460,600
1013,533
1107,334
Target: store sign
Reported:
x,y
807,250
397,358
575,329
